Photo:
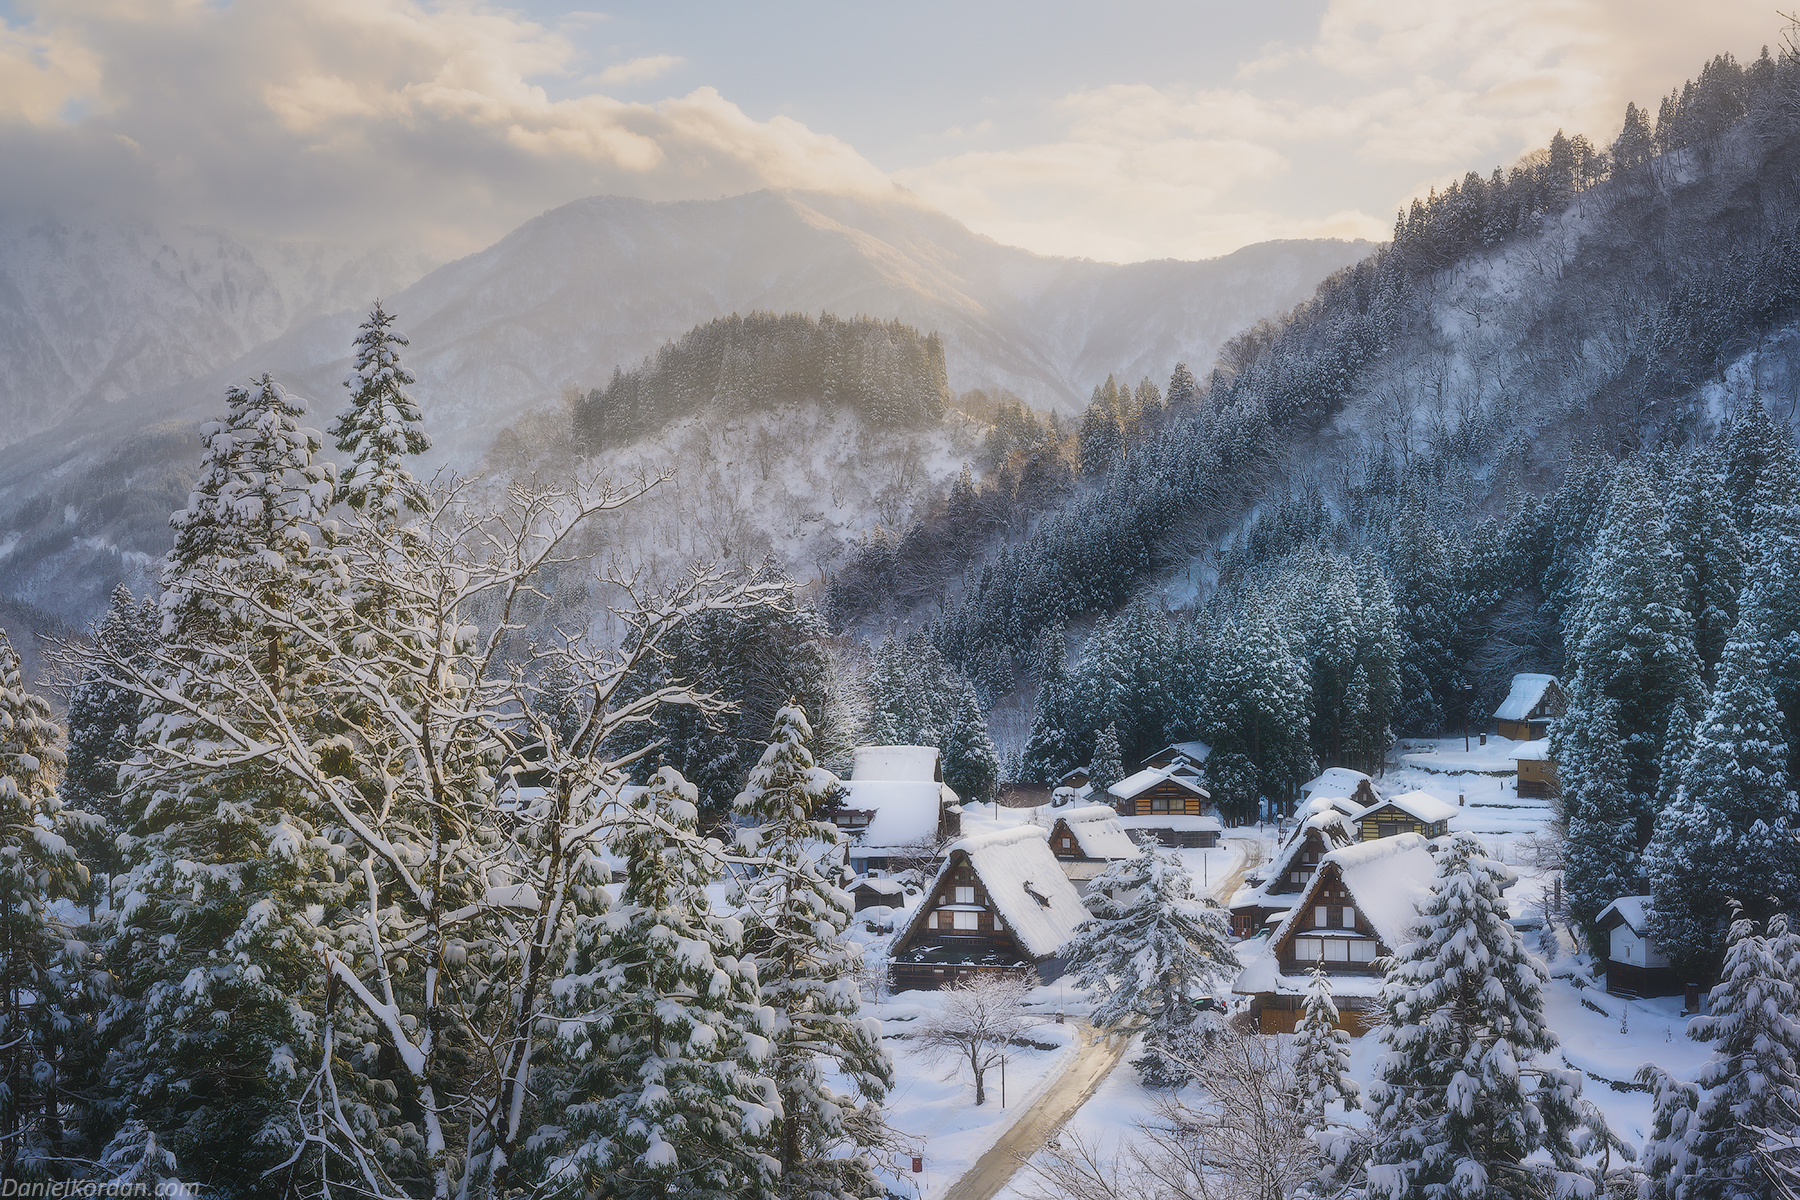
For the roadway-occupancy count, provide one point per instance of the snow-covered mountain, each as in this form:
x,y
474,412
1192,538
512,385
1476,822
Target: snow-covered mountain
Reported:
x,y
94,312
126,338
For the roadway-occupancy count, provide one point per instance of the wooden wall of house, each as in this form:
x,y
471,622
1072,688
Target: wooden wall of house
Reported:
x,y
1538,778
1282,1014
1397,822
1182,802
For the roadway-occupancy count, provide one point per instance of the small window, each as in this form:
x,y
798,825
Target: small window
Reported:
x,y
1296,876
1159,804
965,920
1065,843
1362,950
1309,950
1321,917
997,922
1337,950
965,895
931,920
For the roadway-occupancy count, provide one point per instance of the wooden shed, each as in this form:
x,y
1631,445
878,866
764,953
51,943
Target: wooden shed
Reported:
x,y
1634,966
1526,713
1537,770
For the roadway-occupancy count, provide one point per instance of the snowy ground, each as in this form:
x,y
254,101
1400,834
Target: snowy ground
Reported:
x,y
933,1101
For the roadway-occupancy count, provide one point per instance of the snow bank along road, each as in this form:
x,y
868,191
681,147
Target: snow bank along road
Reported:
x,y
1099,1054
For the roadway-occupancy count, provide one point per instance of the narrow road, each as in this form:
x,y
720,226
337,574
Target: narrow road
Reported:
x,y
1253,855
1098,1055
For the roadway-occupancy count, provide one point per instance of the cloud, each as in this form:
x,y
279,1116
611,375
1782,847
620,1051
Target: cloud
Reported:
x,y
639,70
383,118
1329,134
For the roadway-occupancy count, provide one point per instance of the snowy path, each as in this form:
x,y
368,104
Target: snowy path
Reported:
x,y
1099,1054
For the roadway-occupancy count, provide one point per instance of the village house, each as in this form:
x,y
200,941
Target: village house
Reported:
x,y
1169,804
1633,965
1000,904
1087,840
1357,907
896,807
1353,789
1526,713
1537,770
1189,755
1270,890
1411,812
877,893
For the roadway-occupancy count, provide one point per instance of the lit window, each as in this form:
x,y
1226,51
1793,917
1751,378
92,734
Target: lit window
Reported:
x,y
965,920
965,895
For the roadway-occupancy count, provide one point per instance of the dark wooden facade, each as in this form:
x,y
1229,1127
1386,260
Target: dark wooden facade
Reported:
x,y
956,934
1329,931
1390,820
1173,796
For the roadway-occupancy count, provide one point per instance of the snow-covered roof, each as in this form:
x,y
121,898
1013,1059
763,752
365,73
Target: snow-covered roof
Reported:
x,y
1195,751
1527,691
910,763
1387,879
1262,975
906,811
1538,751
882,887
1098,833
1423,805
1149,777
1179,822
1336,781
1334,831
1025,885
1633,910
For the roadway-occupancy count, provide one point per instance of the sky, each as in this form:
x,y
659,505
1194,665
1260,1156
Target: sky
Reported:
x,y
1122,132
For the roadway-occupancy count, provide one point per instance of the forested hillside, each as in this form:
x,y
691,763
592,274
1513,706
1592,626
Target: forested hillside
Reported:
x,y
883,370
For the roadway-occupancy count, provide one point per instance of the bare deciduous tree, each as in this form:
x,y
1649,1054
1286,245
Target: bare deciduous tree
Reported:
x,y
979,1019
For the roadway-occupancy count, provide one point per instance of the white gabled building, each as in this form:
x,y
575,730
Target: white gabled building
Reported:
x,y
1634,966
895,804
1000,904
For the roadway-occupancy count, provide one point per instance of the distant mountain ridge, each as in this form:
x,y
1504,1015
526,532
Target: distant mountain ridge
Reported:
x,y
561,301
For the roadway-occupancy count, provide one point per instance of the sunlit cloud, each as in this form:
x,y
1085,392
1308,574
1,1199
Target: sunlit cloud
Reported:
x,y
371,116
639,70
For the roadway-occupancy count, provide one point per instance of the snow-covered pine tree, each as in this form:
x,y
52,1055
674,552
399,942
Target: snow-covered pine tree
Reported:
x,y
1634,640
103,717
1752,1080
381,427
1050,751
1459,1104
971,763
1150,948
795,917
37,867
1104,769
1322,1058
1666,1159
660,1014
224,859
1729,833
1602,850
